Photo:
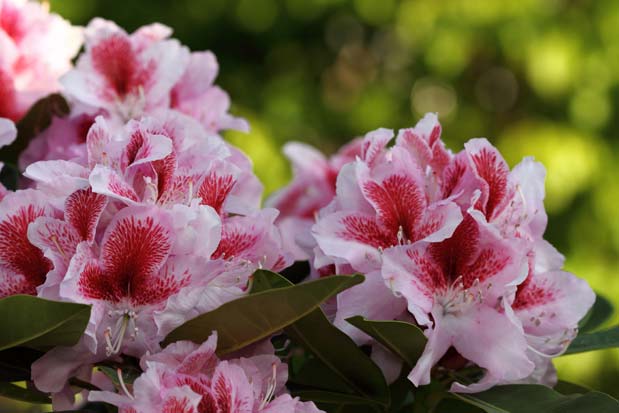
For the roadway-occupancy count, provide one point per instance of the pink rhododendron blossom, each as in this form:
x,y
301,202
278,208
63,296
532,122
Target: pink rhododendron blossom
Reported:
x,y
195,95
36,48
23,266
64,139
485,281
312,188
167,226
131,75
383,200
190,378
455,287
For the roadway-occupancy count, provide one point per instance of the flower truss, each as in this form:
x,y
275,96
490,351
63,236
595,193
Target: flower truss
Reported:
x,y
456,242
131,205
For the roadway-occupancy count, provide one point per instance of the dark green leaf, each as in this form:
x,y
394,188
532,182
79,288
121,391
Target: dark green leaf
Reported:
x,y
331,348
15,363
405,340
39,323
258,316
566,387
323,396
34,122
450,405
594,341
601,311
531,398
314,373
15,392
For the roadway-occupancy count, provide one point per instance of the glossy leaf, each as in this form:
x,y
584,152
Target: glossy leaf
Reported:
x,y
38,323
566,387
531,398
258,316
12,391
601,311
333,350
594,341
403,339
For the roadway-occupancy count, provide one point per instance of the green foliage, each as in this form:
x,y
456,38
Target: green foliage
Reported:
x,y
339,373
258,316
601,311
39,323
529,398
405,340
595,341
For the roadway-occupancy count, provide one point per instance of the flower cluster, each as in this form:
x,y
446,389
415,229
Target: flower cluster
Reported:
x,y
187,378
135,204
455,242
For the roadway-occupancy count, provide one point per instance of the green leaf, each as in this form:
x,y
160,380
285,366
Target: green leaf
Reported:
x,y
601,311
334,350
258,316
403,339
450,405
323,396
15,392
594,341
532,398
566,387
38,323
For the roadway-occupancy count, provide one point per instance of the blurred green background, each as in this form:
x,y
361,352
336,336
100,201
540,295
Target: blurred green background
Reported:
x,y
537,77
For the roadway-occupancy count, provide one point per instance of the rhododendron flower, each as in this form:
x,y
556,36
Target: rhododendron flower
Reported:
x,y
312,188
195,95
23,267
383,200
138,265
36,48
190,378
129,76
455,287
513,201
485,281
59,238
64,139
123,74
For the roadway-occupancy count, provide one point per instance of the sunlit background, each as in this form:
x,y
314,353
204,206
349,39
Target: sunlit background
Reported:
x,y
537,77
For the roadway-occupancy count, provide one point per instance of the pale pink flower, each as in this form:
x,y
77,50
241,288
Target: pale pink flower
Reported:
x,y
59,238
190,378
312,188
196,95
138,265
131,75
36,48
64,139
23,267
126,75
382,201
455,288
513,201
